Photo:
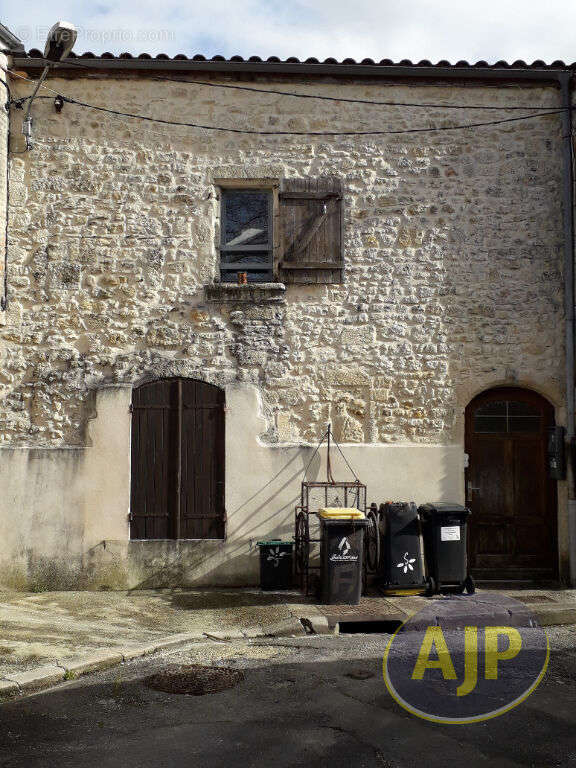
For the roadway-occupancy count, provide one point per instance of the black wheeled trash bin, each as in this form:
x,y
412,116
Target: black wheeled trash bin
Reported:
x,y
402,569
444,528
275,564
341,555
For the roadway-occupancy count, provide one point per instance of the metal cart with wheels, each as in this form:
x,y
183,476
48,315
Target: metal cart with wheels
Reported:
x,y
316,495
307,535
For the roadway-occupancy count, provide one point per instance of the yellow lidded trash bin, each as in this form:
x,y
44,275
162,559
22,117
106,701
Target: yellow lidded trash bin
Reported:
x,y
341,555
340,513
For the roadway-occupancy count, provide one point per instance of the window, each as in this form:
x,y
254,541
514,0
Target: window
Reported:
x,y
246,239
291,231
507,416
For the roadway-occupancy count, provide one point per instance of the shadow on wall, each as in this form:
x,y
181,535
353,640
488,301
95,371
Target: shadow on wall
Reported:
x,y
230,562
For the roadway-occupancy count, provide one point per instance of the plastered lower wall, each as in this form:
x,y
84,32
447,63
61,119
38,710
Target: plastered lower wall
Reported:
x,y
69,509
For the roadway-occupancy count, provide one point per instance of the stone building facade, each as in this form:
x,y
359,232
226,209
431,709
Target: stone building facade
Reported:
x,y
452,285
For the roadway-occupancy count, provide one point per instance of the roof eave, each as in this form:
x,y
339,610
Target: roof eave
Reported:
x,y
9,43
393,71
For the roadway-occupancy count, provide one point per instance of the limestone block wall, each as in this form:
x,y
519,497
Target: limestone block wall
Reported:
x,y
452,285
452,248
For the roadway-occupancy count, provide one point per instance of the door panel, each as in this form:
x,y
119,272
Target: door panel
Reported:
x,y
534,523
203,462
152,461
513,530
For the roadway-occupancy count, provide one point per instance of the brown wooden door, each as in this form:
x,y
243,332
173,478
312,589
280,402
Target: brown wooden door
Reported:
x,y
513,527
177,484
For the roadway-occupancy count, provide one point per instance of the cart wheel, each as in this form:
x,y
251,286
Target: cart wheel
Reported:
x,y
469,585
302,543
372,541
431,586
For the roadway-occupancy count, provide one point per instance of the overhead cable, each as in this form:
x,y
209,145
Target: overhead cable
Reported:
x,y
323,97
253,132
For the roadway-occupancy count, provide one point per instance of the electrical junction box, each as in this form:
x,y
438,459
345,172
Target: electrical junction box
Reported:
x,y
556,453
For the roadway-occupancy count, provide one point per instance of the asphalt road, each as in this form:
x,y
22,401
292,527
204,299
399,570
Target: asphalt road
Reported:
x,y
313,701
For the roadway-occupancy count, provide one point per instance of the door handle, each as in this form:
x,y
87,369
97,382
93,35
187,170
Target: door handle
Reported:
x,y
471,488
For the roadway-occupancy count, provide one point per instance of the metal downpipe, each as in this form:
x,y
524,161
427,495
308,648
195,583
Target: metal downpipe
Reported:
x,y
565,79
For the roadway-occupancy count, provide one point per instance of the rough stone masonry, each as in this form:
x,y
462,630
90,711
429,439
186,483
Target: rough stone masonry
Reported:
x,y
452,279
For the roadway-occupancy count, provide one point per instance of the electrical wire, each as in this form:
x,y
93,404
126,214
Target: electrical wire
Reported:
x,y
252,132
293,94
170,136
345,459
435,146
119,117
305,473
4,301
328,435
354,101
329,475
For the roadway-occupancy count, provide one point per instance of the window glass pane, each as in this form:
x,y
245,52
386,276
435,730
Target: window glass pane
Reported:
x,y
517,408
490,424
507,416
246,258
497,408
525,424
245,218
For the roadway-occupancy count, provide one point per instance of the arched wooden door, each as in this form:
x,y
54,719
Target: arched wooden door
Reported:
x,y
177,484
513,527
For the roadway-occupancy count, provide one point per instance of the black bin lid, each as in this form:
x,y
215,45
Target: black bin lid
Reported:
x,y
441,508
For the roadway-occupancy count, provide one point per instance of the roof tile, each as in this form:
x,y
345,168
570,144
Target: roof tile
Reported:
x,y
35,53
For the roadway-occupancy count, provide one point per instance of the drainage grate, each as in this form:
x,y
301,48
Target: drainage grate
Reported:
x,y
370,607
194,679
375,627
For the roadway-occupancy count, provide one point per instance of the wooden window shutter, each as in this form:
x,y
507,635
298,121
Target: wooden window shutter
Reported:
x,y
311,249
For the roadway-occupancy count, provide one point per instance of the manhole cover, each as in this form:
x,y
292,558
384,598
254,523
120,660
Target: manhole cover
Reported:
x,y
195,679
360,674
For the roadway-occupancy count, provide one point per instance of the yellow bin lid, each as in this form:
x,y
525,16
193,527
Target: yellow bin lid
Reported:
x,y
340,513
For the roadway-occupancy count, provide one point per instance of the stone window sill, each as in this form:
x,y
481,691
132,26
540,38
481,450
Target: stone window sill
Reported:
x,y
253,293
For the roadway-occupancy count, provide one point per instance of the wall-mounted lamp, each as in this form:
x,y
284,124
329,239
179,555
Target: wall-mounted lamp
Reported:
x,y
58,103
59,43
